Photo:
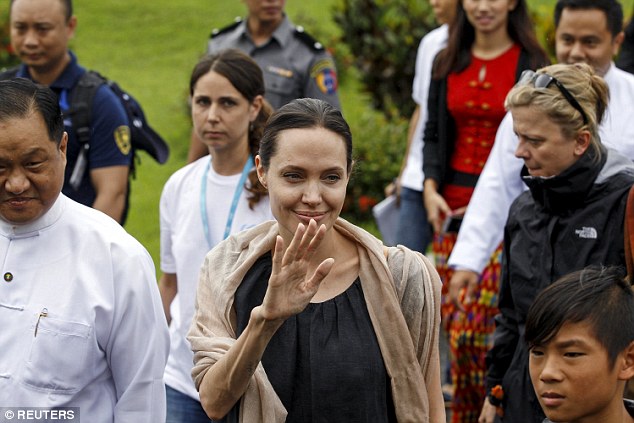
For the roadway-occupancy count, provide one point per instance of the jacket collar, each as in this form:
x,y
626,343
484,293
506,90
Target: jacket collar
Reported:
x,y
569,189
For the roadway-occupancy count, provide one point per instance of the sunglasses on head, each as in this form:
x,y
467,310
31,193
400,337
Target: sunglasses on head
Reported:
x,y
543,80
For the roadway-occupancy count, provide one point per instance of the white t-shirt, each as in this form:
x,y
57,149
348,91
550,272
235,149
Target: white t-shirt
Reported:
x,y
184,246
412,176
500,184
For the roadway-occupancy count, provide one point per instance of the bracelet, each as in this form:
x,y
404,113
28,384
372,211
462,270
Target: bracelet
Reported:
x,y
496,395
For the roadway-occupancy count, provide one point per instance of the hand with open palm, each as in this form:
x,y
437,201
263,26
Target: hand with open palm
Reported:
x,y
291,285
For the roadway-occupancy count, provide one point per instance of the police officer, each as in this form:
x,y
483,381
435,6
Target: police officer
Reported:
x,y
40,32
294,64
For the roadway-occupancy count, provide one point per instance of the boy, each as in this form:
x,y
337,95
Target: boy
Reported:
x,y
580,334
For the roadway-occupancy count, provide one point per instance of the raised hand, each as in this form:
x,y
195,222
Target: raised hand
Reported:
x,y
291,287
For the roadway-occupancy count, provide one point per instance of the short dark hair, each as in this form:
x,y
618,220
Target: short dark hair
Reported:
x,y
612,9
20,98
598,295
304,113
68,8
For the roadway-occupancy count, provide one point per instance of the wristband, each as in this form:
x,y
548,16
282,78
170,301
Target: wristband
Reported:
x,y
496,395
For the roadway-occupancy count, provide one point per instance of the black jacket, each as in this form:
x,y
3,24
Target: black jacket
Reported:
x,y
561,225
440,129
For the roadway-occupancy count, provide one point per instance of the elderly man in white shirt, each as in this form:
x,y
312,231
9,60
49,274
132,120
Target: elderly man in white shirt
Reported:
x,y
82,322
586,31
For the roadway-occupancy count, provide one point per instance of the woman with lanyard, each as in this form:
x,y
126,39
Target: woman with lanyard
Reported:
x,y
207,200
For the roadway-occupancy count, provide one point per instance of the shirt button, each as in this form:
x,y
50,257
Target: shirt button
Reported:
x,y
8,277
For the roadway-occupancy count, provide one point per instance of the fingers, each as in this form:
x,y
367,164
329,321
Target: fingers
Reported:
x,y
389,189
443,206
291,251
278,254
305,242
315,241
488,413
463,279
320,274
472,288
455,285
436,222
460,211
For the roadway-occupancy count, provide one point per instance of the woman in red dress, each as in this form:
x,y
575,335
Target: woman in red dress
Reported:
x,y
489,46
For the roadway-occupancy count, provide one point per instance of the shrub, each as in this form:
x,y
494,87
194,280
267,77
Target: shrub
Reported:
x,y
379,145
383,37
7,58
545,28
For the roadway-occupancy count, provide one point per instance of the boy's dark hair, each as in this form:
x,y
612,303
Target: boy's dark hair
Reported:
x,y
20,97
597,295
612,9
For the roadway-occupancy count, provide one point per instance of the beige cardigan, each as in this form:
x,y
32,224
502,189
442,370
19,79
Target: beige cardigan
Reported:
x,y
403,300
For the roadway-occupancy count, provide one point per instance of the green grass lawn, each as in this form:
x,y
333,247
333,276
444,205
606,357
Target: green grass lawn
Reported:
x,y
150,49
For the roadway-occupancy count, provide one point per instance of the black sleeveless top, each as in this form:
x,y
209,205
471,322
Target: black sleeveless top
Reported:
x,y
324,363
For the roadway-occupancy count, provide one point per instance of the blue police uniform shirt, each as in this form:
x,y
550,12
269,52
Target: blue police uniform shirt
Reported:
x,y
293,64
109,140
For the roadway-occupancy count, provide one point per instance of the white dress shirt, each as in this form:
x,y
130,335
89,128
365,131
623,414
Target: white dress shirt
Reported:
x,y
412,176
499,184
81,317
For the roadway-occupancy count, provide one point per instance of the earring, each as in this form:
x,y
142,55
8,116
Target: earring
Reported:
x,y
250,126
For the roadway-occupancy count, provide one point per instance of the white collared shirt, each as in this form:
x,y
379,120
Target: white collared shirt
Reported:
x,y
412,176
81,317
499,184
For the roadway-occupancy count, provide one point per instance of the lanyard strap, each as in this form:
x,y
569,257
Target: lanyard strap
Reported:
x,y
234,204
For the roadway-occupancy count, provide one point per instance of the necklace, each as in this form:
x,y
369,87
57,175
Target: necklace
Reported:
x,y
234,204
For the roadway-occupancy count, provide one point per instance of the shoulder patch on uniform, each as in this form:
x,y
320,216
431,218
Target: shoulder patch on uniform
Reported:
x,y
228,28
122,138
325,75
307,39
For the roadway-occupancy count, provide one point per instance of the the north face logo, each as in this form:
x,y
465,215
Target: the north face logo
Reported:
x,y
588,233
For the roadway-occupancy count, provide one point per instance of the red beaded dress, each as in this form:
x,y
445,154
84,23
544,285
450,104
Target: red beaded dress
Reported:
x,y
475,100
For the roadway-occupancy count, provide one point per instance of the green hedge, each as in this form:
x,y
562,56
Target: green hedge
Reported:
x,y
7,58
382,37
